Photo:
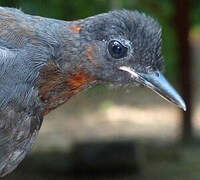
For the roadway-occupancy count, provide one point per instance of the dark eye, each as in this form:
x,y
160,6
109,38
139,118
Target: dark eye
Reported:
x,y
117,50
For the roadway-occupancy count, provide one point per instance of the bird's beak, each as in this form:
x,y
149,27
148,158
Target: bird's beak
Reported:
x,y
157,82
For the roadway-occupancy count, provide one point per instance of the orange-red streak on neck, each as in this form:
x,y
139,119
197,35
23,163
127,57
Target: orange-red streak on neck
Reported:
x,y
56,88
78,80
76,28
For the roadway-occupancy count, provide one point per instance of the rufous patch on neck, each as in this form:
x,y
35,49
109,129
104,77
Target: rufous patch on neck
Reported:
x,y
78,80
56,86
77,28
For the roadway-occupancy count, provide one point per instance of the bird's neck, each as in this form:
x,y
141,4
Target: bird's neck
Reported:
x,y
64,77
56,86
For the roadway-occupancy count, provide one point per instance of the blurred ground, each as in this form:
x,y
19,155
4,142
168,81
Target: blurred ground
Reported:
x,y
136,114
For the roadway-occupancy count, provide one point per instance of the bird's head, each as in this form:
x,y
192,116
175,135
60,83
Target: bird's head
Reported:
x,y
124,47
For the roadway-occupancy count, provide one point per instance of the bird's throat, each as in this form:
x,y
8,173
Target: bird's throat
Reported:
x,y
56,87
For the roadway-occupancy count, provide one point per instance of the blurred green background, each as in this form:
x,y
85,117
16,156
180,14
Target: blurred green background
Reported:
x,y
108,133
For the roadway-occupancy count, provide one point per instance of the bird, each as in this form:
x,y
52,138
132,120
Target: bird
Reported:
x,y
44,62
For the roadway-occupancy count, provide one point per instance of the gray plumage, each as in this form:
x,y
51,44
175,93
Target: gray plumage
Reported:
x,y
44,62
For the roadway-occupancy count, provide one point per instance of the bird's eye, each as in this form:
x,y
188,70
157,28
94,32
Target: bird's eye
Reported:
x,y
116,49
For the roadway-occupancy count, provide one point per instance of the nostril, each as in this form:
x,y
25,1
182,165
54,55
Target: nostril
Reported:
x,y
156,73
